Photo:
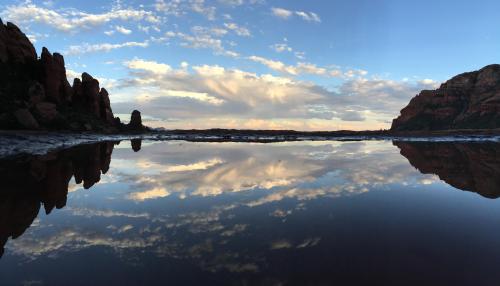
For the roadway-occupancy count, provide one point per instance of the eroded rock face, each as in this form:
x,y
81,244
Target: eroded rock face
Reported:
x,y
467,101
57,87
466,166
14,45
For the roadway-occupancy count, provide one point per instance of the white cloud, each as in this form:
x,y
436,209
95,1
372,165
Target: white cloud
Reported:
x,y
171,7
281,13
203,38
232,2
150,66
198,6
240,31
279,48
103,47
123,30
71,20
310,17
300,68
287,14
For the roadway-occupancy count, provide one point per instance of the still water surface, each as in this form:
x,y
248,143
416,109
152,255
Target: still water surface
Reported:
x,y
295,213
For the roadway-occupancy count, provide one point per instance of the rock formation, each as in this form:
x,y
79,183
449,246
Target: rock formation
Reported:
x,y
135,123
465,166
35,93
467,101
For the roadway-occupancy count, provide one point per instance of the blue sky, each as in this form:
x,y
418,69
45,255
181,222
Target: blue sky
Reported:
x,y
309,65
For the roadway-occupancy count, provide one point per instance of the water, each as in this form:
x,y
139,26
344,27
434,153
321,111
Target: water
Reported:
x,y
293,213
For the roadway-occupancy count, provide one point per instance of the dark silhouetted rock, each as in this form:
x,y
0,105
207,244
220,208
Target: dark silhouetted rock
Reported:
x,y
467,101
46,111
40,87
106,113
57,88
25,119
15,47
135,123
465,166
36,93
90,88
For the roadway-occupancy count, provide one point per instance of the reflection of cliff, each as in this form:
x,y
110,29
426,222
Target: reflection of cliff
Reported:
x,y
27,183
466,166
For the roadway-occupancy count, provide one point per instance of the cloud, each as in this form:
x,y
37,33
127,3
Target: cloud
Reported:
x,y
213,96
240,31
102,47
310,17
123,30
154,193
287,14
281,13
171,7
198,6
300,68
232,2
279,48
71,20
202,38
150,66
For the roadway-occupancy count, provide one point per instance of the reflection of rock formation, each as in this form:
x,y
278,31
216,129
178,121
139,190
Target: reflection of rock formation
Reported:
x,y
136,144
467,166
26,183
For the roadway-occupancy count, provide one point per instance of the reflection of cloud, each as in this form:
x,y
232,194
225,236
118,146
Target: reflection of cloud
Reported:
x,y
300,170
236,229
104,213
309,242
73,240
196,166
281,244
157,192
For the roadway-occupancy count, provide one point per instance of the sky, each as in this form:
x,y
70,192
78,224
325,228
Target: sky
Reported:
x,y
263,64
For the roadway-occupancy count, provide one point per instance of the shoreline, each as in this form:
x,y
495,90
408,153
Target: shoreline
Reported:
x,y
250,132
21,143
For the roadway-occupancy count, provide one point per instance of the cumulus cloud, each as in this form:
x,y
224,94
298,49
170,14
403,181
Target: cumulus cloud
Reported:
x,y
72,20
197,93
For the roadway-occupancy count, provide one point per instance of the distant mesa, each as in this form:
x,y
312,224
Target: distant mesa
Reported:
x,y
467,101
466,166
35,93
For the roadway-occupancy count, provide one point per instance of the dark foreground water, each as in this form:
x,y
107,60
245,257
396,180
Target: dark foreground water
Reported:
x,y
302,213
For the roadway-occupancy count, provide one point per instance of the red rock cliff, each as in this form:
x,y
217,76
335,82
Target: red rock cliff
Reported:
x,y
467,101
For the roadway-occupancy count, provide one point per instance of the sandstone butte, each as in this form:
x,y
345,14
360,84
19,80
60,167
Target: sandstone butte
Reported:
x,y
467,101
35,93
